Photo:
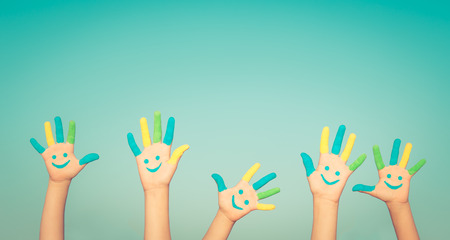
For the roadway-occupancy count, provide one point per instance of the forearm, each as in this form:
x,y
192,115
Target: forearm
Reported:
x,y
220,227
52,222
325,219
403,221
157,214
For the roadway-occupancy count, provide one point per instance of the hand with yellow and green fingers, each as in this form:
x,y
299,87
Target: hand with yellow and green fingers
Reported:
x,y
394,182
238,201
329,178
155,164
59,157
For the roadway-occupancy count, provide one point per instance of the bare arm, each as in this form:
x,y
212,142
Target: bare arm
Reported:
x,y
325,219
157,213
220,227
52,222
403,220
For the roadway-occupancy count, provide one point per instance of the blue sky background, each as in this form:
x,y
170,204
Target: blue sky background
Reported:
x,y
247,81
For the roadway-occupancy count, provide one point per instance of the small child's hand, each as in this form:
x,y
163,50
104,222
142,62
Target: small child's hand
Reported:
x,y
238,201
59,158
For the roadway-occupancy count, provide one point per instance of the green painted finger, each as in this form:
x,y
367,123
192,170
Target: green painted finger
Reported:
x,y
417,167
71,134
378,159
157,132
357,162
268,193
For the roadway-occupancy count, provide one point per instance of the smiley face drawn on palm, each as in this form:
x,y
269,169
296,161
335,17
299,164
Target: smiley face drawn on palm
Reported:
x,y
59,158
393,185
329,178
155,165
238,201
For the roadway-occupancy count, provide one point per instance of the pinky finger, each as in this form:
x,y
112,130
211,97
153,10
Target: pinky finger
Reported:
x,y
417,167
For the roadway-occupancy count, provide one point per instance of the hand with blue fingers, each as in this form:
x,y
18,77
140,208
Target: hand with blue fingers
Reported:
x,y
59,157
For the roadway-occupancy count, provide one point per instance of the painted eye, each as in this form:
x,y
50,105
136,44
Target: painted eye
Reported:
x,y
246,202
327,168
389,175
241,191
400,178
337,173
54,156
65,154
157,157
146,161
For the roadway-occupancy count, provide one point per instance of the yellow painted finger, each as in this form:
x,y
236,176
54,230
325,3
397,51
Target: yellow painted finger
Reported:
x,y
249,174
49,134
405,156
324,140
265,207
145,133
348,147
176,155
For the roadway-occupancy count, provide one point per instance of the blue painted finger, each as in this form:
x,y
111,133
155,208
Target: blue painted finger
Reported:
x,y
263,181
132,143
37,146
89,158
219,181
308,163
169,131
59,130
394,153
363,188
338,140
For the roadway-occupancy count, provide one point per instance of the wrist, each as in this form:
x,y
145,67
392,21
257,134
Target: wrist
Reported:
x,y
156,190
221,216
325,202
59,183
397,205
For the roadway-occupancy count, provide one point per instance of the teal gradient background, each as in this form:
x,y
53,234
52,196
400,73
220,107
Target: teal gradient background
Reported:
x,y
247,81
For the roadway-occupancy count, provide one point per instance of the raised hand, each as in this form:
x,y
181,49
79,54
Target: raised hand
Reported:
x,y
328,180
59,158
393,185
238,201
156,166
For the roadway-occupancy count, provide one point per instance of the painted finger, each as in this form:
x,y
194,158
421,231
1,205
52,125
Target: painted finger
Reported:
x,y
417,167
89,158
37,146
145,133
157,132
249,174
348,147
59,130
265,207
132,143
268,193
357,162
308,163
71,134
48,133
219,181
176,155
377,156
324,140
363,188
264,180
405,156
394,153
338,140
169,131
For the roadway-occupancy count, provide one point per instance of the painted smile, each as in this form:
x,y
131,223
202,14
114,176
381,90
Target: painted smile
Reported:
x,y
234,204
329,183
393,187
62,165
154,169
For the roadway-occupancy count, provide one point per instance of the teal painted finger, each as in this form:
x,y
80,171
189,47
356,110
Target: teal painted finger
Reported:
x,y
157,132
71,134
268,193
357,162
132,143
338,140
37,146
59,130
308,163
377,156
219,181
363,188
417,167
394,153
264,180
89,158
169,131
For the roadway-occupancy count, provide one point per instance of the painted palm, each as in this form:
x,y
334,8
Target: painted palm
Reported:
x,y
393,185
155,164
329,178
238,201
59,157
